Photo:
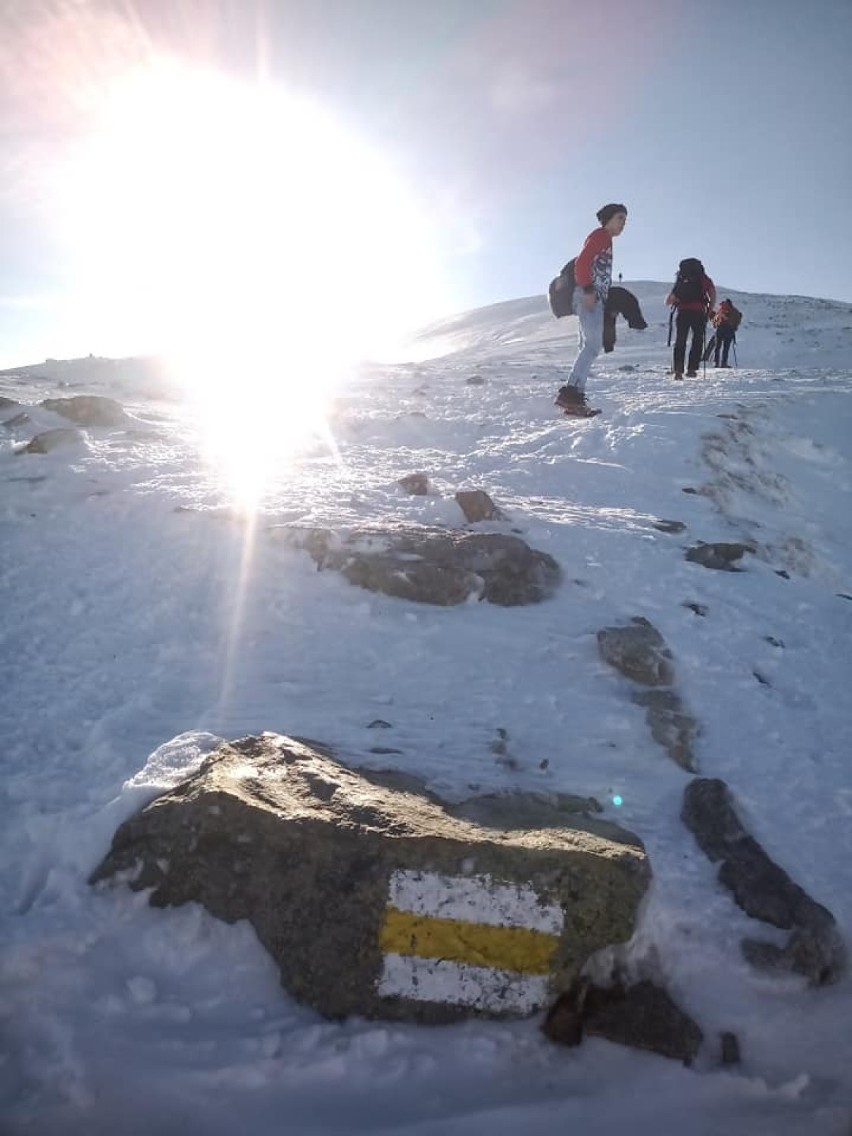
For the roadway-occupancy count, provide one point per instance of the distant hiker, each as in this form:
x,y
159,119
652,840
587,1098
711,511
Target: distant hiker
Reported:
x,y
692,297
593,277
726,321
619,278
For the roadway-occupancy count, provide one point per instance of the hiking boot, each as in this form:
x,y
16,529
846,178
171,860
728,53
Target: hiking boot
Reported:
x,y
678,376
570,398
724,366
691,374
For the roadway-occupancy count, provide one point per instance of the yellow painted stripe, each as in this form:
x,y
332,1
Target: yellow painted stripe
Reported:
x,y
454,940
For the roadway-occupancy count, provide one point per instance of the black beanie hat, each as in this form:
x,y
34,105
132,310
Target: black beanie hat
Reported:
x,y
609,211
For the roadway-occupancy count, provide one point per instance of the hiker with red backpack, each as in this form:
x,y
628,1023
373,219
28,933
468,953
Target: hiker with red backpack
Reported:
x,y
693,297
593,278
726,321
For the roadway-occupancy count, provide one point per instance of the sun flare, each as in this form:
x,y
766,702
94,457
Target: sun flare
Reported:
x,y
256,241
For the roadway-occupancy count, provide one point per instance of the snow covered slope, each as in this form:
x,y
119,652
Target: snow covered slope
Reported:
x,y
135,611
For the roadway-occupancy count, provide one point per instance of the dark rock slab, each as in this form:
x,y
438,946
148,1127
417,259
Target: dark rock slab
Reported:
x,y
51,440
763,889
670,725
642,1016
478,506
639,651
88,410
434,566
719,555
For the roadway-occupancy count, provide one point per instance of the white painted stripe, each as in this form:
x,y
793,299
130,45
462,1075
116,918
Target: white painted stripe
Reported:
x,y
474,899
458,984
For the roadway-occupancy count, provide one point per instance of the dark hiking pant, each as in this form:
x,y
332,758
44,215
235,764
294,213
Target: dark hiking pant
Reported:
x,y
724,339
687,322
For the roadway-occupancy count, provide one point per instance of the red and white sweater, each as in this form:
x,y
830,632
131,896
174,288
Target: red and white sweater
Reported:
x,y
593,267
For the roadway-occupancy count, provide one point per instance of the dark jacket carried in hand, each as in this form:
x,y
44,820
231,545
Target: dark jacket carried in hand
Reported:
x,y
620,302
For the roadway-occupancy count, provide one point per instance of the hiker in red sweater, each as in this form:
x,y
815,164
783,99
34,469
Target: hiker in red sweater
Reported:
x,y
593,278
693,297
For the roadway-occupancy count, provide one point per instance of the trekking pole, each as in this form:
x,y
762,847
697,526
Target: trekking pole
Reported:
x,y
703,346
734,348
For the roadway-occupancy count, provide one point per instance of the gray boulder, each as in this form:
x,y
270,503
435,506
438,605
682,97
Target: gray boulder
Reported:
x,y
638,651
670,725
762,889
719,555
88,410
478,506
372,897
417,484
51,440
433,565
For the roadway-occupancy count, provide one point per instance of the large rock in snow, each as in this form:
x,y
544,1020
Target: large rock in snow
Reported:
x,y
374,897
433,566
88,410
763,890
640,653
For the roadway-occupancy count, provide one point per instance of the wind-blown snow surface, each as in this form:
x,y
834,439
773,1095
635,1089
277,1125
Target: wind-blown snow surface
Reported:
x,y
127,622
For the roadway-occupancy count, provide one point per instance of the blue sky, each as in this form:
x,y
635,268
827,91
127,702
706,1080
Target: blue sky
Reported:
x,y
724,127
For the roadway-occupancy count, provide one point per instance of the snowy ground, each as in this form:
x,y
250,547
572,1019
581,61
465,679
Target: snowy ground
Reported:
x,y
128,621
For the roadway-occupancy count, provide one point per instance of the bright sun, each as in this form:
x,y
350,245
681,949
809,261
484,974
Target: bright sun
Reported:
x,y
261,243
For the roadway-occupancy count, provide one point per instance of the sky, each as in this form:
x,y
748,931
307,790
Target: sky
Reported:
x,y
499,126
151,605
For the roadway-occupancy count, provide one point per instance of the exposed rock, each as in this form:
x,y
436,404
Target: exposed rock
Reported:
x,y
52,440
433,565
17,420
762,889
669,526
442,584
379,901
8,403
638,651
417,484
88,410
670,725
475,381
718,555
698,608
478,506
642,1016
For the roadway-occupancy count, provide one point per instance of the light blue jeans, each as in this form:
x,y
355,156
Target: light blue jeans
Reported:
x,y
591,339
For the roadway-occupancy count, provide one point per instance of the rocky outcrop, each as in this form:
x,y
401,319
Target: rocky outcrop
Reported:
x,y
373,897
724,557
640,653
51,440
88,410
433,566
763,890
417,484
